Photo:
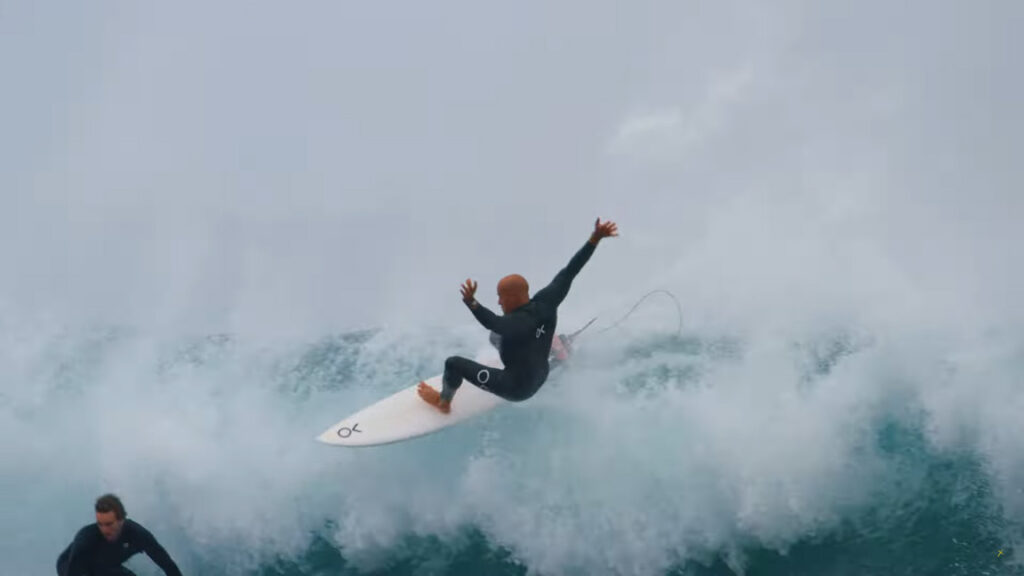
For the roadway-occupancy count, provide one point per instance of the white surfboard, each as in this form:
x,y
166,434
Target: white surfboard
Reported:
x,y
405,415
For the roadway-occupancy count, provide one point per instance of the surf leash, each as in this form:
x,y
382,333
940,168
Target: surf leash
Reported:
x,y
679,315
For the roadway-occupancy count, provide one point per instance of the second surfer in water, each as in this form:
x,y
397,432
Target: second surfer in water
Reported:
x,y
525,330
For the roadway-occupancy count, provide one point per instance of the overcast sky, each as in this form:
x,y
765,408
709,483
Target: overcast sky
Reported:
x,y
321,165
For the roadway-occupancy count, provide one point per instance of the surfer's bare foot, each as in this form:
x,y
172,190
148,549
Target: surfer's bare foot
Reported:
x,y
433,397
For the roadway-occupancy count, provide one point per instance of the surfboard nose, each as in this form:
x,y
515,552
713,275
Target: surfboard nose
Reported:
x,y
328,436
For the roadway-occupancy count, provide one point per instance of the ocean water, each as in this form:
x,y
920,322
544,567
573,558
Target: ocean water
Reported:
x,y
653,452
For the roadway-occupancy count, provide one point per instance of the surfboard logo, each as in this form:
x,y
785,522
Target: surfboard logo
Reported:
x,y
345,431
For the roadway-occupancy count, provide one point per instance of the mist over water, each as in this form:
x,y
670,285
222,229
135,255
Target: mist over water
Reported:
x,y
223,228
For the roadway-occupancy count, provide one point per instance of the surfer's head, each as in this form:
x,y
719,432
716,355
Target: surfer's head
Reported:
x,y
513,292
109,516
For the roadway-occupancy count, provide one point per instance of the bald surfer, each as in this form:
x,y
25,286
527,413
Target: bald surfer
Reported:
x,y
523,333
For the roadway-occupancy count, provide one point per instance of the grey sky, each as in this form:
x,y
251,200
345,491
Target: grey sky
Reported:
x,y
263,167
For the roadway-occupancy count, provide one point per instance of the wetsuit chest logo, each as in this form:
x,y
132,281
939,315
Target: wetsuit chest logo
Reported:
x,y
540,331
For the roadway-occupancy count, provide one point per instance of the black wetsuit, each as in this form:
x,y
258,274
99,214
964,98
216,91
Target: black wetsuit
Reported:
x,y
91,554
525,342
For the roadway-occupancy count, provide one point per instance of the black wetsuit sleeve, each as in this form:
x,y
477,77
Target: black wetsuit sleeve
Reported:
x,y
160,557
74,558
556,291
511,326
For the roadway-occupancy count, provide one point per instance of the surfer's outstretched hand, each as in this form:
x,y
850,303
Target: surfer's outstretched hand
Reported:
x,y
603,230
468,291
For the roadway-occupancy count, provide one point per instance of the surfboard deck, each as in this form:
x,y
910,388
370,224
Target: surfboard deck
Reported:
x,y
404,415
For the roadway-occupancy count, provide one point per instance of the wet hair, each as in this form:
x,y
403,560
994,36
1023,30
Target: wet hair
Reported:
x,y
110,503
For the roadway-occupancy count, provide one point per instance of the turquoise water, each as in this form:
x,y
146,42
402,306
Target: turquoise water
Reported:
x,y
651,453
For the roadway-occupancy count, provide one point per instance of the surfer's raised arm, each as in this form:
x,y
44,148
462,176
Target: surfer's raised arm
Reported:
x,y
505,326
556,291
